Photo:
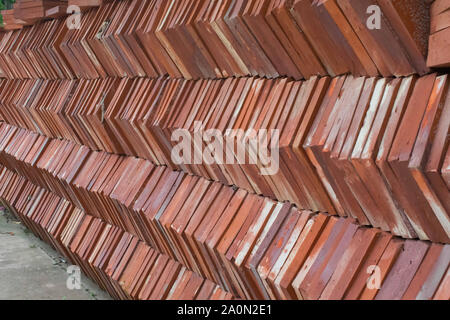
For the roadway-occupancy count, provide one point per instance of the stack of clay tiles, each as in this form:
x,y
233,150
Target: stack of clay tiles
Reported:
x,y
34,10
439,47
362,191
10,22
226,38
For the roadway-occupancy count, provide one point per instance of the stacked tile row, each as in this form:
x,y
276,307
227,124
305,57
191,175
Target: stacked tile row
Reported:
x,y
376,150
137,117
254,247
386,157
226,38
121,264
29,12
439,44
10,21
34,10
85,4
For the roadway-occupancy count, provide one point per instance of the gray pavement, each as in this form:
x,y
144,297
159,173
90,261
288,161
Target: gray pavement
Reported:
x,y
32,270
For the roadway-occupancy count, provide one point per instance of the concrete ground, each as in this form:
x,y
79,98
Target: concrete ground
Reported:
x,y
32,270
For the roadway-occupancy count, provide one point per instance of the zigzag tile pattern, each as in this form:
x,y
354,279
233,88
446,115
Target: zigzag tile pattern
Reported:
x,y
226,38
372,149
252,246
88,118
439,44
121,264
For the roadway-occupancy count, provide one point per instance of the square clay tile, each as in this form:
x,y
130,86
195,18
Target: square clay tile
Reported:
x,y
442,292
427,278
402,273
400,156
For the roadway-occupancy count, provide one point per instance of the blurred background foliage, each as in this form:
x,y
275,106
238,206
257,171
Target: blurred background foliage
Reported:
x,y
4,5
